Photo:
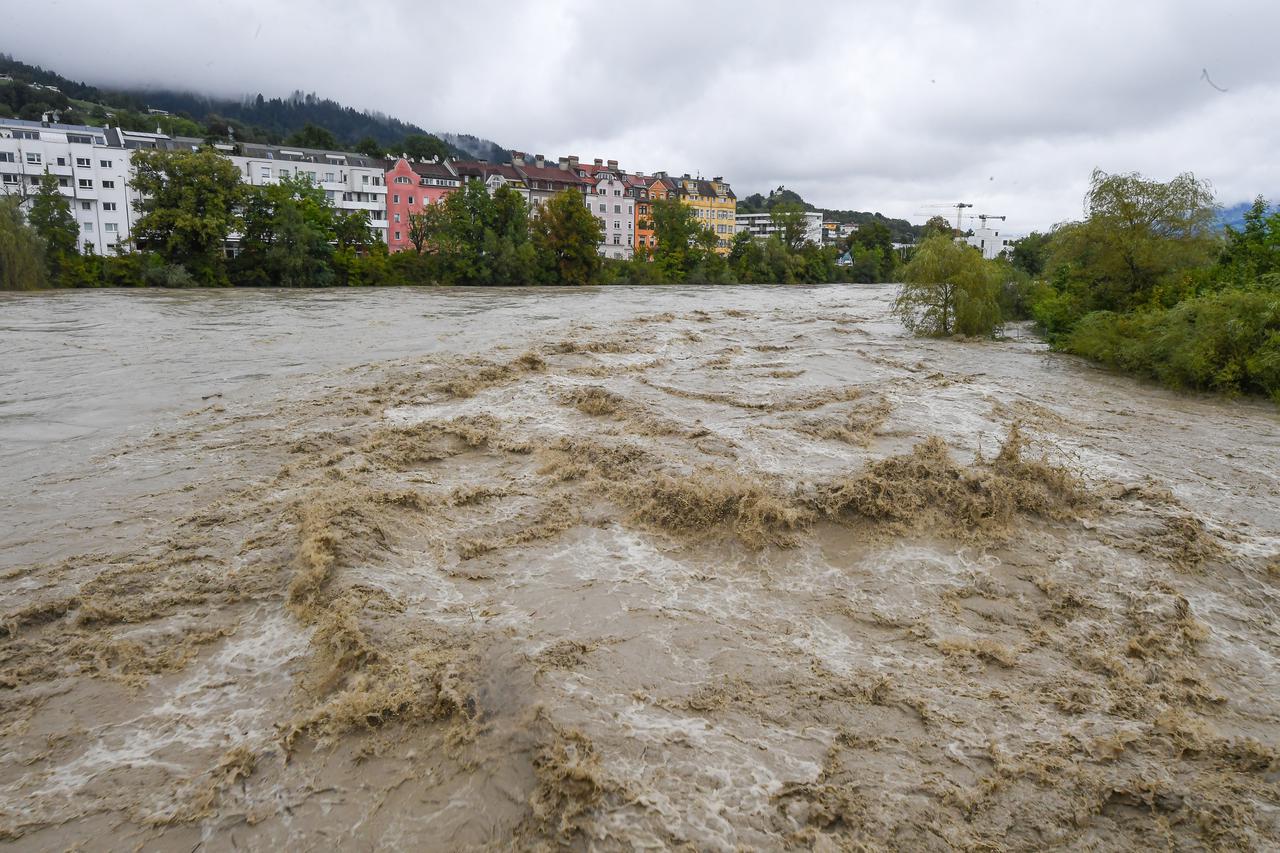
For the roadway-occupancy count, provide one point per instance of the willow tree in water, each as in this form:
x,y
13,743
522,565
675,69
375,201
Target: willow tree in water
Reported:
x,y
948,290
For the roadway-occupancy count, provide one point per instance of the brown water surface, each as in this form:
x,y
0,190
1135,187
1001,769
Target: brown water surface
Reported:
x,y
732,568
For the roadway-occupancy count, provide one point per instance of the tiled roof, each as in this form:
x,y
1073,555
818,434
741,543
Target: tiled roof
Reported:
x,y
551,173
433,170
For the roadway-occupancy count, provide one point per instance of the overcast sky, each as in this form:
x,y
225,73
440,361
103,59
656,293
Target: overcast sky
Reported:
x,y
890,106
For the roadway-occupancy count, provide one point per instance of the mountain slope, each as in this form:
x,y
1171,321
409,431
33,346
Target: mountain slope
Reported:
x,y
252,118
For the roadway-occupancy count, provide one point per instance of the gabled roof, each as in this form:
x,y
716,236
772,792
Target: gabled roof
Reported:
x,y
553,174
433,170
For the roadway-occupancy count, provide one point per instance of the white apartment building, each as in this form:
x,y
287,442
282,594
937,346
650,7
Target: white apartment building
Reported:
x,y
987,240
614,206
761,225
92,174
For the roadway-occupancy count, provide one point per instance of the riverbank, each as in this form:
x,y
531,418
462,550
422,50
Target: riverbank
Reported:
x,y
732,568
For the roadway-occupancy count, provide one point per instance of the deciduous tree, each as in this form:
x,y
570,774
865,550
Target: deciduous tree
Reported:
x,y
187,206
949,289
568,236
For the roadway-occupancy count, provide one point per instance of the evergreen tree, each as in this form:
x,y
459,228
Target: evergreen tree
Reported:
x,y
49,213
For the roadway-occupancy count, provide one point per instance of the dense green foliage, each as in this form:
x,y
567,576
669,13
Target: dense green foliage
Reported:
x,y
1145,284
189,207
949,289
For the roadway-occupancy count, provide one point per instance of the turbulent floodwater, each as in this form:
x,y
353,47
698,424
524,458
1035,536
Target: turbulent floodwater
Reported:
x,y
727,568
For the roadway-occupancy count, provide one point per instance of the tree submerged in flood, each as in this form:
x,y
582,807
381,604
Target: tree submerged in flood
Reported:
x,y
949,289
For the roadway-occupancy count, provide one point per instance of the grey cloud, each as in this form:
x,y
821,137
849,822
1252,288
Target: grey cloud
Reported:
x,y
862,105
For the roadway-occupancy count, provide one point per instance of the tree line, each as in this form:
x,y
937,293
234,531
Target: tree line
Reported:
x,y
1145,283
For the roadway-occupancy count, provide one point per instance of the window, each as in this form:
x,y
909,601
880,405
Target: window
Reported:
x,y
617,241
364,179
110,205
284,173
328,176
395,199
629,209
29,134
106,164
64,182
109,227
617,224
403,180
264,172
62,161
617,208
8,178
84,205
83,162
108,185
397,235
6,156
33,158
87,227
410,199
397,217
85,184
602,208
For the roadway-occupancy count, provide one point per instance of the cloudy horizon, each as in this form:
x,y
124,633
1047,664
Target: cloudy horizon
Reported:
x,y
870,107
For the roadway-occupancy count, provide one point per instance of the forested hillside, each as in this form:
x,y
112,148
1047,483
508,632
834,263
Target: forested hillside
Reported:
x,y
254,118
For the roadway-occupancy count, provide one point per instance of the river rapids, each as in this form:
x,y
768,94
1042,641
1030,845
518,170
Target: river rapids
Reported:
x,y
646,568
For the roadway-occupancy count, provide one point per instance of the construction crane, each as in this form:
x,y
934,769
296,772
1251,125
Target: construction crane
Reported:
x,y
959,207
985,216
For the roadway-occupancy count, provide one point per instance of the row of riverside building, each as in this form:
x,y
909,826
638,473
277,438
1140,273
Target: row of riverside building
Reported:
x,y
93,169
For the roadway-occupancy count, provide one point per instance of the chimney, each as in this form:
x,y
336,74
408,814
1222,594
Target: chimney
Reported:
x,y
613,164
599,162
539,160
573,160
564,163
517,158
718,179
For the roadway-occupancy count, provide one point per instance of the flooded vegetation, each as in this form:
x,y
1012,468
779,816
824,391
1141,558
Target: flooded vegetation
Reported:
x,y
746,568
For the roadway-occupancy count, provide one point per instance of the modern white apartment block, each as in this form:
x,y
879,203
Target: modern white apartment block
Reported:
x,y
987,240
761,225
92,174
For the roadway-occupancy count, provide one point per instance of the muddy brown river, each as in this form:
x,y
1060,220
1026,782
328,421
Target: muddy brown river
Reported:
x,y
614,569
